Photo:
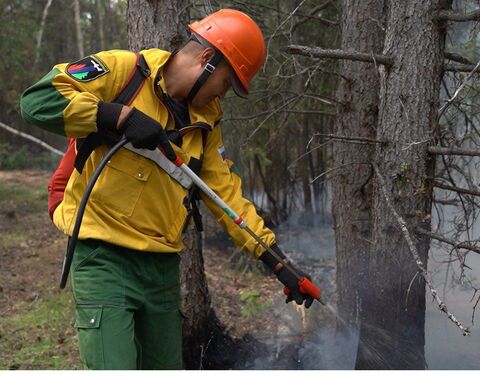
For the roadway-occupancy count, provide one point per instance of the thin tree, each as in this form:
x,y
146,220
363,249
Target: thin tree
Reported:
x,y
78,27
40,31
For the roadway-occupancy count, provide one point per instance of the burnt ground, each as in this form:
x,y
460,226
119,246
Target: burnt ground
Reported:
x,y
36,316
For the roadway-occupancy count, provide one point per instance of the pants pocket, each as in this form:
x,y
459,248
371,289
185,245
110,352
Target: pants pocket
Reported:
x,y
90,340
106,337
90,256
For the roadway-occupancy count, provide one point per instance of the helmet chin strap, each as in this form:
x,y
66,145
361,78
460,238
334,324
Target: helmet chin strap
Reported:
x,y
207,71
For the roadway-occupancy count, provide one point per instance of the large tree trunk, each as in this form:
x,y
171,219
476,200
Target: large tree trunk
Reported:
x,y
362,30
162,24
393,312
377,276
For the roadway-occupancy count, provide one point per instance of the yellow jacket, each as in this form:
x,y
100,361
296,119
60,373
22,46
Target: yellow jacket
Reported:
x,y
135,204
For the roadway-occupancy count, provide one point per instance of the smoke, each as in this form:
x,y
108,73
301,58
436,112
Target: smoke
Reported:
x,y
325,350
306,339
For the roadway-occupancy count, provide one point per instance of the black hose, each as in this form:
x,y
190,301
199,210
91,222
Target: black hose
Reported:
x,y
81,210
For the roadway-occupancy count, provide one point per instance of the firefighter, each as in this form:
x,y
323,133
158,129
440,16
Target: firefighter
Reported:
x,y
125,271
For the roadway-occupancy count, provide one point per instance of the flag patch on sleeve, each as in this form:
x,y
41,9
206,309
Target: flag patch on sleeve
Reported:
x,y
221,151
87,69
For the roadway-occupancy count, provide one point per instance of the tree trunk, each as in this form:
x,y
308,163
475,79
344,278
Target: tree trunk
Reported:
x,y
40,31
100,23
393,312
78,28
376,274
357,115
157,24
161,24
196,305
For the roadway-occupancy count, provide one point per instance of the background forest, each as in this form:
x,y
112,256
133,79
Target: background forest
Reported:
x,y
293,143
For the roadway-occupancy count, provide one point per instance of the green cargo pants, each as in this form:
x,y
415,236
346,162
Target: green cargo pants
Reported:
x,y
127,307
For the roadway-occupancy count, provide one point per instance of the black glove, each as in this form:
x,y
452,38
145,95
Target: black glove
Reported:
x,y
285,276
141,130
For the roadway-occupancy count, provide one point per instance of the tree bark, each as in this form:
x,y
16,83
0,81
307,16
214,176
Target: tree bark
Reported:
x,y
157,24
375,270
357,118
161,24
393,312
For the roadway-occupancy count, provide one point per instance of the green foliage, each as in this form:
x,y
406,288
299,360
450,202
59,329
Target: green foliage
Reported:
x,y
20,22
24,158
252,303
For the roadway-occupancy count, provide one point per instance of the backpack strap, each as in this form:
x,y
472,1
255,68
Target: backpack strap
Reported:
x,y
134,83
129,91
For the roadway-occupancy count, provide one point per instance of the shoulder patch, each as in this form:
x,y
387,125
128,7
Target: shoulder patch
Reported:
x,y
87,69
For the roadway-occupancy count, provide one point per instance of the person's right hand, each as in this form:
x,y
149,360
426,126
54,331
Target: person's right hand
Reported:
x,y
286,276
141,130
144,132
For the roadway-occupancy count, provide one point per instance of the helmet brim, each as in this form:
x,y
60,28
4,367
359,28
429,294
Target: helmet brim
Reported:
x,y
237,86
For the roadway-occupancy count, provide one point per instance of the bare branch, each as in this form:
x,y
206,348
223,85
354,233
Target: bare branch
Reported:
x,y
306,153
292,101
336,168
446,202
458,67
450,15
443,239
339,54
363,139
453,151
31,138
456,189
317,52
307,112
475,307
456,57
312,13
460,88
421,268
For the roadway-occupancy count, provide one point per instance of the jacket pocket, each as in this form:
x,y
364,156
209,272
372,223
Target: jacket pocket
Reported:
x,y
121,183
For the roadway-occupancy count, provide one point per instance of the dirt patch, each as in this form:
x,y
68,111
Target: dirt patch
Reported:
x,y
33,177
32,248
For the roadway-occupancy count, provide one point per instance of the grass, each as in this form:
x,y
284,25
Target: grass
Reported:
x,y
35,330
10,239
40,338
23,199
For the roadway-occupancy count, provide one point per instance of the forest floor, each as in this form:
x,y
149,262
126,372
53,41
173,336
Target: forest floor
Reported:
x,y
36,316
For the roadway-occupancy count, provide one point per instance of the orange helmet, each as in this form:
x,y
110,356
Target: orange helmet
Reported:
x,y
238,38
